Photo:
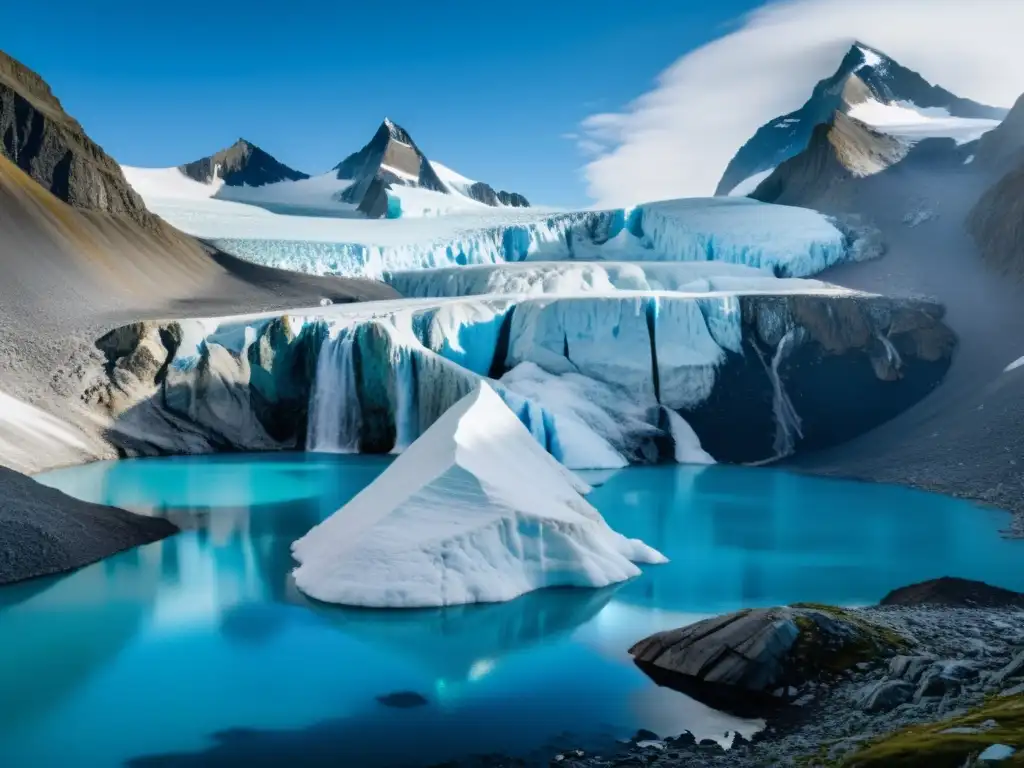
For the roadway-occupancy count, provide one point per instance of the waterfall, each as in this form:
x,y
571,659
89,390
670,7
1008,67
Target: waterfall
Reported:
x,y
890,351
406,414
787,420
334,414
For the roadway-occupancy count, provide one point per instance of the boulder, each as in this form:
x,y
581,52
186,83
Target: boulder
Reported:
x,y
885,695
765,649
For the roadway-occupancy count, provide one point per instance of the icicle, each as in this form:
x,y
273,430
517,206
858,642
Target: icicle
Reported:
x,y
335,418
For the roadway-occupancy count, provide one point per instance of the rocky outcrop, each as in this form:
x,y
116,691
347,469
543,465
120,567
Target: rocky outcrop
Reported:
x,y
997,224
954,592
838,150
41,139
1002,148
486,194
241,164
43,531
769,651
864,73
513,199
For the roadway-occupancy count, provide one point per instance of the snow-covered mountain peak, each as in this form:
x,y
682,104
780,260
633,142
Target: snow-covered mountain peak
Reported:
x,y
873,88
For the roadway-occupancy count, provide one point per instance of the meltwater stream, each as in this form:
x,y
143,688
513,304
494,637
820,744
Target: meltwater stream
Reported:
x,y
197,650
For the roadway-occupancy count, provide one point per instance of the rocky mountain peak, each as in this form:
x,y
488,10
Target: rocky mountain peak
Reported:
x,y
241,164
864,74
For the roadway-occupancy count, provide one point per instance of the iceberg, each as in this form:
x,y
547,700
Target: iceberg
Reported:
x,y
474,511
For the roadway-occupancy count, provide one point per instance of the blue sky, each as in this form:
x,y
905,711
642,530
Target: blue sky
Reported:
x,y
489,89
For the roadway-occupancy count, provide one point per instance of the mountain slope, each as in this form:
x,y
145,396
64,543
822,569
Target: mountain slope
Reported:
x,y
874,89
241,164
41,139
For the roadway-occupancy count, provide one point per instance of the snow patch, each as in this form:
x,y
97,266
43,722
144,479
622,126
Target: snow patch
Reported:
x,y
904,119
474,511
748,185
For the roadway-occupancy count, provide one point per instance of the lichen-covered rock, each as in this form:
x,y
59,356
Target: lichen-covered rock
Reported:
x,y
763,649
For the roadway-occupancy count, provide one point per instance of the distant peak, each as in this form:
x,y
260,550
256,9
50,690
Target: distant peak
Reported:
x,y
393,130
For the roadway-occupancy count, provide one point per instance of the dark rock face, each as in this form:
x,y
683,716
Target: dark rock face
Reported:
x,y
863,73
838,150
950,591
802,355
1003,146
391,158
241,164
43,531
483,193
766,651
486,194
513,199
997,224
41,139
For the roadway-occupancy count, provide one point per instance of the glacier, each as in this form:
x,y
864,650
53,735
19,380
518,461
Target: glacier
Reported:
x,y
785,241
473,511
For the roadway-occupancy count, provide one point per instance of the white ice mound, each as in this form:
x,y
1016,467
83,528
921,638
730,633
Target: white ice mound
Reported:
x,y
474,511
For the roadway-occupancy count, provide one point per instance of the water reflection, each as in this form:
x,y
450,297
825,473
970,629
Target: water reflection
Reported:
x,y
745,537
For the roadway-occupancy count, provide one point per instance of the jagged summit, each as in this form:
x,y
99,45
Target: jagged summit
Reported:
x,y
870,86
241,164
392,159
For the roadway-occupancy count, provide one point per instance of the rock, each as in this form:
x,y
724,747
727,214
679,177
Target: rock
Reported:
x,y
1014,669
644,735
769,651
954,592
997,753
886,695
943,678
909,667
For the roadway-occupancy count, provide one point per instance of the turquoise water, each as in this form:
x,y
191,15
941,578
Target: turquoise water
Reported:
x,y
156,651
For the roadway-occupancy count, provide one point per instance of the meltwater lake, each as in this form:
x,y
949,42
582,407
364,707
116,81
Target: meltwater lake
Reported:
x,y
198,650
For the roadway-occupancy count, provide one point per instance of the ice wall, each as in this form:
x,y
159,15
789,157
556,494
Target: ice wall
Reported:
x,y
781,240
597,379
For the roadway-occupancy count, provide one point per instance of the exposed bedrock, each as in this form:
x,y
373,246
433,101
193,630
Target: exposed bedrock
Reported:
x,y
595,379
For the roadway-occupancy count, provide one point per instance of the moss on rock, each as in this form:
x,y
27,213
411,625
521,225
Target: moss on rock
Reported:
x,y
933,744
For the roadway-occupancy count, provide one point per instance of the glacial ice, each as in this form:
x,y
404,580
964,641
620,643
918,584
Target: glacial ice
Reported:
x,y
473,511
784,240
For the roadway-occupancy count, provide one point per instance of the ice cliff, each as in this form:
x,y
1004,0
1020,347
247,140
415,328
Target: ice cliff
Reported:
x,y
474,511
600,380
785,241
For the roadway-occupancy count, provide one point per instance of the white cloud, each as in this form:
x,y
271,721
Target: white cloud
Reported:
x,y
677,139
